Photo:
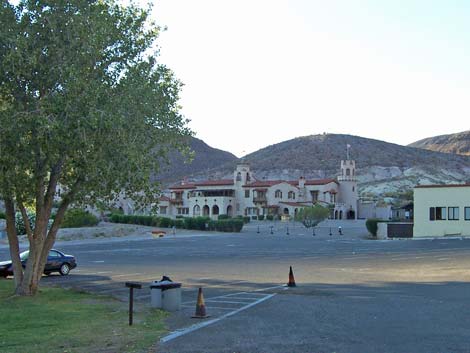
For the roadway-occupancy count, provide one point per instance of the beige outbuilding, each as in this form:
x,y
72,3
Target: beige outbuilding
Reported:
x,y
442,210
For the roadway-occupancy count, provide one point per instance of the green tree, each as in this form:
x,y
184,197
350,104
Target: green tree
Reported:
x,y
312,216
84,106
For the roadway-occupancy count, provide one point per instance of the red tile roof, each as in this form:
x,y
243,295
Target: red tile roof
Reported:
x,y
269,183
183,186
442,186
223,182
163,198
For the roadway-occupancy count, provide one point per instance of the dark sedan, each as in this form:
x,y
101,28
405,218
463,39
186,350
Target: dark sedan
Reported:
x,y
57,261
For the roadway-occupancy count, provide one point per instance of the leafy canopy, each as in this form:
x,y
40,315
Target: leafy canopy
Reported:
x,y
312,216
82,97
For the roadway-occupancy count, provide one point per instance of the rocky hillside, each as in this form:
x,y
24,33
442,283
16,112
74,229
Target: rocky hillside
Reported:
x,y
205,159
458,143
382,167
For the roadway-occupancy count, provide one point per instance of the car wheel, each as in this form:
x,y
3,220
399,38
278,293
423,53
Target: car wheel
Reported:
x,y
64,269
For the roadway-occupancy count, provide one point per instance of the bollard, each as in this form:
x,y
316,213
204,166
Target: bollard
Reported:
x,y
287,230
258,230
313,231
330,232
131,286
340,230
272,230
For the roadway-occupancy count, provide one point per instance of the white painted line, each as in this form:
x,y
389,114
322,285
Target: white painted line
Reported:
x,y
269,288
193,328
244,293
244,298
98,261
210,307
226,301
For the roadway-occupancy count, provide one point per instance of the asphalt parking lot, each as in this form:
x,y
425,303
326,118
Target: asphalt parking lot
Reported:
x,y
353,294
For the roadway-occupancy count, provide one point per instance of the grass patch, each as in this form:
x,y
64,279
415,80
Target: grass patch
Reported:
x,y
62,320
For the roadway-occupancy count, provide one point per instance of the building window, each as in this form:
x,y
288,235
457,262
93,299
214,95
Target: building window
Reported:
x,y
248,178
432,213
291,195
467,213
441,214
162,209
278,194
247,193
239,176
183,210
314,195
453,213
197,210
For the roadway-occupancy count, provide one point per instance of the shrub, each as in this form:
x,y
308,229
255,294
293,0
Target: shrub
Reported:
x,y
371,225
77,217
179,223
261,217
269,217
2,215
226,225
223,216
165,222
246,219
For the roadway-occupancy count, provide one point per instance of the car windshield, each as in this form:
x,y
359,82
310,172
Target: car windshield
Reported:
x,y
24,255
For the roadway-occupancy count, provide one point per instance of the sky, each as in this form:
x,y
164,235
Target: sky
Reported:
x,y
259,72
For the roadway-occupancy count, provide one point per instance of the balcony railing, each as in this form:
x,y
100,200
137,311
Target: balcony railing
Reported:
x,y
260,199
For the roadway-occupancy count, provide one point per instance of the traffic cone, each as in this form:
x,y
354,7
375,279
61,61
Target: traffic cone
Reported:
x,y
291,279
200,306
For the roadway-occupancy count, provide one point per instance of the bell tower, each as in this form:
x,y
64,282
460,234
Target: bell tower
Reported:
x,y
348,194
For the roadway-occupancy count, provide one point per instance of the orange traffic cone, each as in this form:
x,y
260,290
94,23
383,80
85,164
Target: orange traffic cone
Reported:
x,y
200,306
291,279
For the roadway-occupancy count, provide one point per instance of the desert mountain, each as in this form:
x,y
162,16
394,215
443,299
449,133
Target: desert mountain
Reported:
x,y
382,167
458,143
205,158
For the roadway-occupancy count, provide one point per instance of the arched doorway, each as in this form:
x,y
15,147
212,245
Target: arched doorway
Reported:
x,y
336,214
340,214
205,210
229,210
286,211
196,211
215,210
351,214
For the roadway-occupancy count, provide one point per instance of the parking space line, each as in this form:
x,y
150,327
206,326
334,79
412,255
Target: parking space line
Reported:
x,y
226,301
182,332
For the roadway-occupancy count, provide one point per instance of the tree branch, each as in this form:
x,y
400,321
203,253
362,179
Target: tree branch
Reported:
x,y
27,223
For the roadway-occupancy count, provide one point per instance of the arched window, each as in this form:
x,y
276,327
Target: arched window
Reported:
x,y
205,210
239,176
248,178
215,210
197,210
336,214
229,210
348,172
278,194
286,211
291,195
340,214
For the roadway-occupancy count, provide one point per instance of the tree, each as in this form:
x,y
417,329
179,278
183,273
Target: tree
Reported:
x,y
84,106
312,216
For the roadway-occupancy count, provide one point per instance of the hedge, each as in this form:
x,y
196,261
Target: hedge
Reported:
x,y
226,225
261,217
191,223
76,217
269,217
371,225
2,215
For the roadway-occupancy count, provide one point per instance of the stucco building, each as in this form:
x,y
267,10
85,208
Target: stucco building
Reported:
x,y
245,195
441,210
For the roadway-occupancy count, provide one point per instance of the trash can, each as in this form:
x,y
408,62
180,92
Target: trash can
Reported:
x,y
165,294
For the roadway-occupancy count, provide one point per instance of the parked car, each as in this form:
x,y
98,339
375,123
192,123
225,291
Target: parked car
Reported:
x,y
57,261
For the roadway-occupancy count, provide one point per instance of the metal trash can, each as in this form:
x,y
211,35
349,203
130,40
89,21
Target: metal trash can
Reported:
x,y
165,294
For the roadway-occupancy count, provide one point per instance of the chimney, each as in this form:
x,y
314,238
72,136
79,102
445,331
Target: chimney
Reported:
x,y
301,182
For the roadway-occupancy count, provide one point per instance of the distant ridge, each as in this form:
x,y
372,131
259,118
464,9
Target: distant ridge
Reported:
x,y
382,166
205,158
458,143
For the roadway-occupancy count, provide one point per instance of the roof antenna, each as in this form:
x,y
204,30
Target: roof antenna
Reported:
x,y
348,147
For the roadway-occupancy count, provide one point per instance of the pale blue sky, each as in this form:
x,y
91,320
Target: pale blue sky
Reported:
x,y
260,72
